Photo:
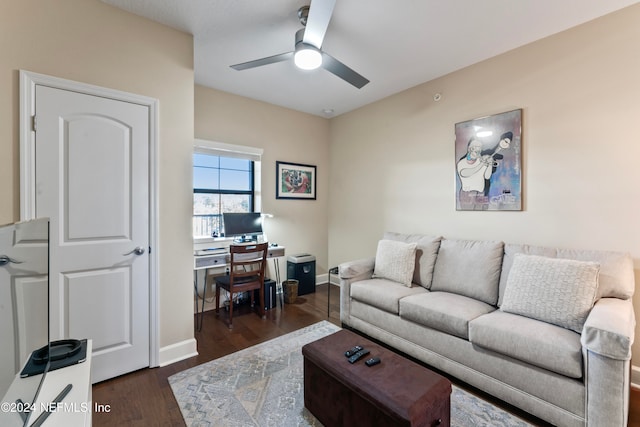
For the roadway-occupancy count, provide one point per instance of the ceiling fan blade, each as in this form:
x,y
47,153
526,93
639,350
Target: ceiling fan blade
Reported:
x,y
336,67
264,61
318,22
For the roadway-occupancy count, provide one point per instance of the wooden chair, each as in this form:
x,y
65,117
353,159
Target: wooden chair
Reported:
x,y
246,273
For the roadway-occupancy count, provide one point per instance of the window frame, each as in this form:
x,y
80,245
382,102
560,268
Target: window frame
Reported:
x,y
250,192
213,148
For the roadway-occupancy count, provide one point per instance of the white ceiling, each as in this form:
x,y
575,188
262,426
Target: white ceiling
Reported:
x,y
395,44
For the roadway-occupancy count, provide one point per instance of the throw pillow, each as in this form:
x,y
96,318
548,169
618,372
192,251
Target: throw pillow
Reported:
x,y
554,290
510,249
426,254
395,261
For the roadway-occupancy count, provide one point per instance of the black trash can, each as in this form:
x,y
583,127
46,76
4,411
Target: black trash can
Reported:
x,y
302,267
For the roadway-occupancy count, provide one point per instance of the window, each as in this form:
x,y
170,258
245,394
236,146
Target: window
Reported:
x,y
220,184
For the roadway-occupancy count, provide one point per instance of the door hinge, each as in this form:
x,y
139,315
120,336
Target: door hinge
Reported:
x,y
149,249
33,123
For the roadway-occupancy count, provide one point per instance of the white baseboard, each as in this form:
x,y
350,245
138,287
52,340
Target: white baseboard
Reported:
x,y
635,376
179,351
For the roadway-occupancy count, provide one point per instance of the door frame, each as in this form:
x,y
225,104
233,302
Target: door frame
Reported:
x,y
28,82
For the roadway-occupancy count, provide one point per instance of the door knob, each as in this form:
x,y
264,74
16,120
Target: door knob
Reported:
x,y
4,260
138,251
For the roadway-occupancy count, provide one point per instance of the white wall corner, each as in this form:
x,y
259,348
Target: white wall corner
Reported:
x,y
335,280
322,279
635,376
179,351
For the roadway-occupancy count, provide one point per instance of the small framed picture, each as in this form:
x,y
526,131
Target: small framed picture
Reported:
x,y
295,181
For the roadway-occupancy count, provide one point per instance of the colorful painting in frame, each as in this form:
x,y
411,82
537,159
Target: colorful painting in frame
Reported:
x,y
295,181
489,163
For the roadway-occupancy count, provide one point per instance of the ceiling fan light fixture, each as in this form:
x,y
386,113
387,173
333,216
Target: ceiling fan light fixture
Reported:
x,y
307,57
307,54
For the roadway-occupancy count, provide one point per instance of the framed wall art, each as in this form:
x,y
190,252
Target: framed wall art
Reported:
x,y
295,181
488,155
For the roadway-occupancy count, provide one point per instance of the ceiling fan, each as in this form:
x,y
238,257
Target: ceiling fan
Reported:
x,y
308,54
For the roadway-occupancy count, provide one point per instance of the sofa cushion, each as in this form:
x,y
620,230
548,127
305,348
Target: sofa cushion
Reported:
x,y
616,278
510,250
426,253
470,268
395,261
382,293
443,311
557,291
532,341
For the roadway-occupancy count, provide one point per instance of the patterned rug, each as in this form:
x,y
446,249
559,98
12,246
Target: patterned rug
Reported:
x,y
263,386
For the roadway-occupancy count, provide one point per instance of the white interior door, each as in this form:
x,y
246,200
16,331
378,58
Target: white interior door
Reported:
x,y
92,181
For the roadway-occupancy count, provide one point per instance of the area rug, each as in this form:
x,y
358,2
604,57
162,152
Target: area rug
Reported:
x,y
263,386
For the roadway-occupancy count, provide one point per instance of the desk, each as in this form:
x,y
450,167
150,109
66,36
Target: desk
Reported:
x,y
220,258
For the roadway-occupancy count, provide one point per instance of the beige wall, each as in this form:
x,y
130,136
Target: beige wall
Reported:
x,y
387,166
90,42
392,162
285,135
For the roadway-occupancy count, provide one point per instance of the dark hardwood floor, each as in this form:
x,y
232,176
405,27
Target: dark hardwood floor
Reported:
x,y
634,408
144,398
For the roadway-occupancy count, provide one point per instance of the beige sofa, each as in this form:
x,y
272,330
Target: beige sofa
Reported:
x,y
548,330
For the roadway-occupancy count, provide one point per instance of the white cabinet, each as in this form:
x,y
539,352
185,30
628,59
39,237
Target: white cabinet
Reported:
x,y
74,410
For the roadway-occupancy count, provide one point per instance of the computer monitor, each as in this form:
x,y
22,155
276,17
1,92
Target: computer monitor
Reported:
x,y
245,226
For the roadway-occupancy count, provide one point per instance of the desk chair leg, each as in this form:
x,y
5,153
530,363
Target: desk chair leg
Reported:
x,y
217,300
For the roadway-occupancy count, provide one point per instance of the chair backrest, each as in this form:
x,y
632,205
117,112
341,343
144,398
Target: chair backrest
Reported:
x,y
248,262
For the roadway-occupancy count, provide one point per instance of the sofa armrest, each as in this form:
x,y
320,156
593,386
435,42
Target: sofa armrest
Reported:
x,y
354,271
349,272
606,340
609,329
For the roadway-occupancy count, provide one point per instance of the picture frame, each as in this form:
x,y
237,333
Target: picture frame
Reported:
x,y
295,181
488,160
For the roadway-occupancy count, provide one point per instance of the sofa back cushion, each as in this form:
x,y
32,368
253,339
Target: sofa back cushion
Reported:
x,y
426,253
555,290
470,268
616,279
395,261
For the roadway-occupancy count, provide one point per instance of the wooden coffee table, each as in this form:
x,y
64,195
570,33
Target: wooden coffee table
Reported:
x,y
396,392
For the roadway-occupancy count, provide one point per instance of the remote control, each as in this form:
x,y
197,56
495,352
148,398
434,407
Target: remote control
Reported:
x,y
372,361
358,355
353,351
